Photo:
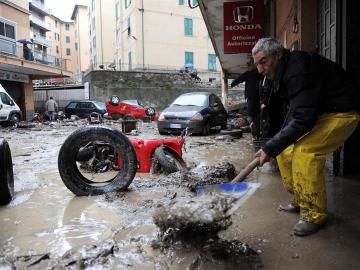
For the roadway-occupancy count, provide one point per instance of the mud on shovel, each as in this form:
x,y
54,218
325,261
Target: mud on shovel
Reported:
x,y
235,185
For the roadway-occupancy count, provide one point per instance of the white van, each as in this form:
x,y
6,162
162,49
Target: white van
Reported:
x,y
9,110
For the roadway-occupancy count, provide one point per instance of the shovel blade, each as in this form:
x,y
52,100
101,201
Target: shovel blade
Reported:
x,y
223,187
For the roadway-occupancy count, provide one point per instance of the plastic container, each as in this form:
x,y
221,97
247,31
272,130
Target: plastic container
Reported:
x,y
128,125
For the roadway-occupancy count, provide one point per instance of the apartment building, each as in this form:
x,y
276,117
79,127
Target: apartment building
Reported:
x,y
101,21
82,44
64,46
38,29
162,34
17,72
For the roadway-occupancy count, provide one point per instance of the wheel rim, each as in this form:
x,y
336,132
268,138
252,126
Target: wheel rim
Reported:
x,y
115,99
15,118
100,170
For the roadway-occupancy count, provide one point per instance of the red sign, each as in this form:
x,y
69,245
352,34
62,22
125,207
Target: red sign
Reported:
x,y
243,25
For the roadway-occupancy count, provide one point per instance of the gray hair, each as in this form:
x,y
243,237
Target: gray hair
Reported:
x,y
270,46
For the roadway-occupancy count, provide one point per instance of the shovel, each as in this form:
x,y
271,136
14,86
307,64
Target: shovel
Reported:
x,y
235,185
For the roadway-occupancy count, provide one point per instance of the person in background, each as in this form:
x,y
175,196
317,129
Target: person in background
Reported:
x,y
322,113
51,107
252,80
27,53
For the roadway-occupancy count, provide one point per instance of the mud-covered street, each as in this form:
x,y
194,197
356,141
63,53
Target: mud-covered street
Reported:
x,y
47,227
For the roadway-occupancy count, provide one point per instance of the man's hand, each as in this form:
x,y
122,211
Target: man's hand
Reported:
x,y
263,157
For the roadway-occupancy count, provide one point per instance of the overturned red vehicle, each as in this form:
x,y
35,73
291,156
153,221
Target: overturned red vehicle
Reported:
x,y
130,108
95,160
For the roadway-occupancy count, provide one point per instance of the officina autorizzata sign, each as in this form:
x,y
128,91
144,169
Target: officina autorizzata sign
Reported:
x,y
243,25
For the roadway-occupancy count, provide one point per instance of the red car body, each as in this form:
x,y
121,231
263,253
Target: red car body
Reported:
x,y
125,108
145,150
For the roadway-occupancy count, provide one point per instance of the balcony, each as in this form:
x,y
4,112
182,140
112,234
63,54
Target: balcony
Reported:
x,y
8,46
43,58
39,39
39,7
39,23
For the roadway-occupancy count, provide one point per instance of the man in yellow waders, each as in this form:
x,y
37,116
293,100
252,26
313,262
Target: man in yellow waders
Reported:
x,y
321,114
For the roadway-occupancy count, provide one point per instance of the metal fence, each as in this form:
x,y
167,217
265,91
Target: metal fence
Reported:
x,y
11,48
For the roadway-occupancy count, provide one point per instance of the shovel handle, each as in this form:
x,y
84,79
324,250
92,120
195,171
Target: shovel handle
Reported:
x,y
247,170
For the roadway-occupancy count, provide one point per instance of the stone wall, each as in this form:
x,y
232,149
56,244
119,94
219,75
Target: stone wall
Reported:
x,y
153,89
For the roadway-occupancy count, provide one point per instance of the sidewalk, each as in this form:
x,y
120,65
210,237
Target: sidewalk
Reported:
x,y
270,231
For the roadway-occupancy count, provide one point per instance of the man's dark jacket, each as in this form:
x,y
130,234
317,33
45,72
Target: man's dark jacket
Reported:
x,y
310,85
252,80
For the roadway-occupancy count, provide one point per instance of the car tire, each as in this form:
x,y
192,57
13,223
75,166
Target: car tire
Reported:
x,y
114,100
206,129
15,117
6,173
150,111
168,160
75,181
232,132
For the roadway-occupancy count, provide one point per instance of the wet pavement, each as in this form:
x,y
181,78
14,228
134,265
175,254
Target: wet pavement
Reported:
x,y
47,227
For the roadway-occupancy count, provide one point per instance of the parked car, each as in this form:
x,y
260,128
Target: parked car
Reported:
x,y
9,110
84,108
131,108
199,111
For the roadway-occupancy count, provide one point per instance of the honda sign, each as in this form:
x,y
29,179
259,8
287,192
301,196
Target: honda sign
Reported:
x,y
243,25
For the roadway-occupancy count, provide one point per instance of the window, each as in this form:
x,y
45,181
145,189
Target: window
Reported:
x,y
68,51
130,61
67,39
188,25
181,2
76,46
5,98
67,27
194,3
117,11
93,23
117,39
128,26
212,62
94,42
7,29
55,23
95,61
57,49
189,58
93,4
127,3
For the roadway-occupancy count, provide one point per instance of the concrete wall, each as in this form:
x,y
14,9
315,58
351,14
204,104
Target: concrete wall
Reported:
x,y
153,89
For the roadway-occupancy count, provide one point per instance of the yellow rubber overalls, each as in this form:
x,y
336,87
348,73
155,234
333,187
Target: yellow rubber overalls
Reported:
x,y
302,164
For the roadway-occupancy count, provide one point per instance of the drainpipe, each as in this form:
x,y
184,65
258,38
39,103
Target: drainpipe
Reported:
x,y
101,31
142,34
224,88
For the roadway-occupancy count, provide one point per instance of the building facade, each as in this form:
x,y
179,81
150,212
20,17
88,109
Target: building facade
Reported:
x,y
17,71
101,21
82,44
64,46
162,35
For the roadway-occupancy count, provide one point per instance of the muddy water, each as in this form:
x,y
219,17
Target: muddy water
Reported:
x,y
46,225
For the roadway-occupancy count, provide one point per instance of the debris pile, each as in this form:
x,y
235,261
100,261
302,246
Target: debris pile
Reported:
x,y
208,175
200,215
194,224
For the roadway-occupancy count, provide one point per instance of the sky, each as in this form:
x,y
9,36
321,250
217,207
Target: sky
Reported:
x,y
63,8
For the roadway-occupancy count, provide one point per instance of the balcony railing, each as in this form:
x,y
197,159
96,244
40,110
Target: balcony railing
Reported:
x,y
7,46
15,50
42,40
39,6
39,22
